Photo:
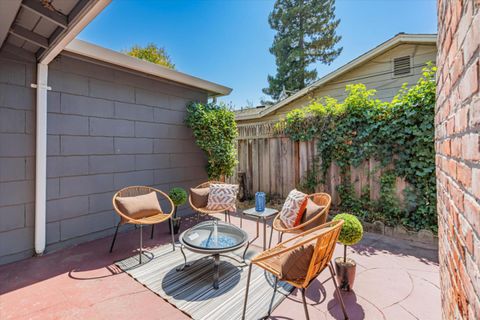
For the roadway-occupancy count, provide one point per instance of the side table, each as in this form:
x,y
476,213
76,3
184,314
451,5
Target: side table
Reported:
x,y
268,213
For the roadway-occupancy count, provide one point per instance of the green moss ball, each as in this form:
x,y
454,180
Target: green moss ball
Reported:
x,y
178,196
352,230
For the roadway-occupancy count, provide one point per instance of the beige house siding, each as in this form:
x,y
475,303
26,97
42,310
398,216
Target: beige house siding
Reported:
x,y
375,74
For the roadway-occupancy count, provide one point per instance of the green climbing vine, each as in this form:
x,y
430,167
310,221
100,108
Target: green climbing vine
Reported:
x,y
399,134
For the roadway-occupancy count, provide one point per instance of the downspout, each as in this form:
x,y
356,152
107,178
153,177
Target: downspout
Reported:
x,y
41,159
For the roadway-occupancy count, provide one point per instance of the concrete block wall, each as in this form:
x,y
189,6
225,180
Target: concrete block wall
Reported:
x,y
107,129
17,155
457,122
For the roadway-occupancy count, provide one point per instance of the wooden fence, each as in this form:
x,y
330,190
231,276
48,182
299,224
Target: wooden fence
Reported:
x,y
272,163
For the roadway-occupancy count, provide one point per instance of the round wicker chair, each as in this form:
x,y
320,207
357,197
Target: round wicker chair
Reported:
x,y
321,199
205,211
150,220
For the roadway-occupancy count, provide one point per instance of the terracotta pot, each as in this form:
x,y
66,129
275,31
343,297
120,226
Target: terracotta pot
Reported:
x,y
345,273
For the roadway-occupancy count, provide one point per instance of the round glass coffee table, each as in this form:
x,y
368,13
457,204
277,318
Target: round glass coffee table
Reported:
x,y
213,238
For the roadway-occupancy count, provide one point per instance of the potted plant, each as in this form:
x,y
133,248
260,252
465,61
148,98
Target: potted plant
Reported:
x,y
179,197
351,233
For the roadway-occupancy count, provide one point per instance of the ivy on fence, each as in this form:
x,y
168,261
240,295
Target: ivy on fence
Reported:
x,y
399,134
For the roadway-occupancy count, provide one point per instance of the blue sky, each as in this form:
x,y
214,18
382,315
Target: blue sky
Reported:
x,y
227,41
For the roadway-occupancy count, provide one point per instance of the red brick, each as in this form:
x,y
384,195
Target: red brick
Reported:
x,y
464,175
452,168
476,182
475,113
461,119
456,147
472,212
469,83
471,147
457,67
450,126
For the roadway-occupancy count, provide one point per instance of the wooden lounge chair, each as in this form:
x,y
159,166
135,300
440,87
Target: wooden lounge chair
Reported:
x,y
324,238
321,199
205,211
140,221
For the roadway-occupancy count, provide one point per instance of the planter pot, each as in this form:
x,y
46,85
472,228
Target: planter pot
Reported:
x,y
176,225
345,273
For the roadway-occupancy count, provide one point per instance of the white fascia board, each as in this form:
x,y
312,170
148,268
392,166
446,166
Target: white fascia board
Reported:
x,y
95,52
385,46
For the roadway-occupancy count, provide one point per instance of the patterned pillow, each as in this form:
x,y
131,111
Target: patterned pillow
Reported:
x,y
222,197
293,208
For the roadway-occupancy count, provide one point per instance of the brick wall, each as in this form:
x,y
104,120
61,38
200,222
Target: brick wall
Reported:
x,y
458,157
107,129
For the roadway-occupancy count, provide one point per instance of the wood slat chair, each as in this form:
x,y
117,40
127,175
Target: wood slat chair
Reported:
x,y
160,217
324,237
321,199
205,211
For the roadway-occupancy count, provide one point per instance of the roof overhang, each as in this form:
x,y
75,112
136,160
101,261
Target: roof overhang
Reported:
x,y
430,39
45,28
98,53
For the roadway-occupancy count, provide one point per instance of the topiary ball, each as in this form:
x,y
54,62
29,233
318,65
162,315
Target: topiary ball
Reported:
x,y
352,230
178,196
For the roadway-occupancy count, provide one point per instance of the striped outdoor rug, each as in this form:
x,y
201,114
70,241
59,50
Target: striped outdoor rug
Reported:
x,y
192,292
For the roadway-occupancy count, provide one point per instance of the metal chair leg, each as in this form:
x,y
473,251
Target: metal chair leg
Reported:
x,y
305,304
246,292
332,272
151,235
275,285
173,236
271,234
114,237
141,244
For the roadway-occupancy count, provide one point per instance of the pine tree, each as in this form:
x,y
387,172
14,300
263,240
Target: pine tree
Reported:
x,y
306,33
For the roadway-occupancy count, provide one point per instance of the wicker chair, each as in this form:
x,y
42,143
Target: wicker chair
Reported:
x,y
324,237
205,211
321,199
150,220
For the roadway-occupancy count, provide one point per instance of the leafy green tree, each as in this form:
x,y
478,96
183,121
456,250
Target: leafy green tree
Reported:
x,y
306,33
152,53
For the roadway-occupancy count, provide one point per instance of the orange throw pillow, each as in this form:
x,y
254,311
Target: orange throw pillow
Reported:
x,y
293,208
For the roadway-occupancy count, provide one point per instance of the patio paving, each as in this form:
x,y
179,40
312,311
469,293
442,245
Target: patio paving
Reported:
x,y
395,280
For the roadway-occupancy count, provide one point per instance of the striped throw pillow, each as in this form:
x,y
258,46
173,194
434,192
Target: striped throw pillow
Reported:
x,y
293,208
222,197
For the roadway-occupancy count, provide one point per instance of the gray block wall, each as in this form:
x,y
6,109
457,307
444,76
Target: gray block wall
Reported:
x,y
107,129
17,156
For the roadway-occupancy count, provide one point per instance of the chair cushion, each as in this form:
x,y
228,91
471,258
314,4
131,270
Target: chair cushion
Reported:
x,y
199,197
293,208
222,196
294,264
141,206
311,211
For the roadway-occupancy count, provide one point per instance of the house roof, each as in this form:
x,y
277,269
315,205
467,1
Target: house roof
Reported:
x,y
95,52
44,28
400,38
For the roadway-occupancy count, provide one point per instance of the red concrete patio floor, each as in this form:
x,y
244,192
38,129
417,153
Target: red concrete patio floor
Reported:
x,y
395,280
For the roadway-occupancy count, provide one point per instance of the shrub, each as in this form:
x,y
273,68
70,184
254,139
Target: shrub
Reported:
x,y
178,196
352,230
215,132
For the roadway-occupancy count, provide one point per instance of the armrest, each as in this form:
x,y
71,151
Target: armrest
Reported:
x,y
288,245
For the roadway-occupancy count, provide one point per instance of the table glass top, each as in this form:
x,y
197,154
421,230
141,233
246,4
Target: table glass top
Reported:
x,y
214,235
